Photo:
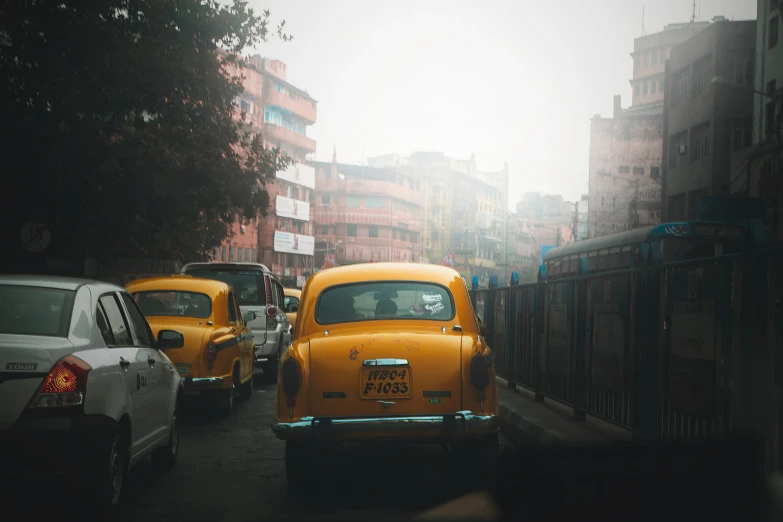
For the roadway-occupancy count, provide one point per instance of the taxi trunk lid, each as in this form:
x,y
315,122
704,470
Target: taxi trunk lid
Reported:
x,y
385,373
25,361
187,358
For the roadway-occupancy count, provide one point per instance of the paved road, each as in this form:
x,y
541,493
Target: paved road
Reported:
x,y
233,470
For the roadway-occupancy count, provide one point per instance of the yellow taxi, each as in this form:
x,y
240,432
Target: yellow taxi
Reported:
x,y
291,299
385,351
216,359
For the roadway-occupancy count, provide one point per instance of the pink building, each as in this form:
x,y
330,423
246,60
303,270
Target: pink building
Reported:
x,y
366,214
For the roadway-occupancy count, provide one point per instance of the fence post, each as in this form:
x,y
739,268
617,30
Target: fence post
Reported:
x,y
540,332
647,307
580,346
511,337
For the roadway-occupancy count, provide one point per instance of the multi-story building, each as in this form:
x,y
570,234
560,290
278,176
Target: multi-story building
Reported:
x,y
706,123
465,212
284,238
582,210
367,214
626,150
521,250
764,162
649,55
547,208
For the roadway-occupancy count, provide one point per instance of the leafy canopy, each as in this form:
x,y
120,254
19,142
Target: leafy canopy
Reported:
x,y
123,114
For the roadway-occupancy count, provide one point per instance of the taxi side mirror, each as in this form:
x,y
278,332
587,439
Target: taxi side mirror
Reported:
x,y
292,308
250,316
168,339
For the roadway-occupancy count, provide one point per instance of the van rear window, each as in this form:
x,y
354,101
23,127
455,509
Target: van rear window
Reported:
x,y
248,284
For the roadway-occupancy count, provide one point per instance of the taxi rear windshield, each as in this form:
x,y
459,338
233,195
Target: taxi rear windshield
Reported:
x,y
384,301
30,310
174,303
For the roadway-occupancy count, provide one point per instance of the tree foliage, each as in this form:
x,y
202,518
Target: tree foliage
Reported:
x,y
124,124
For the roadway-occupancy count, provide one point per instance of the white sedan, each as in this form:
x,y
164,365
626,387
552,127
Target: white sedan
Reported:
x,y
86,391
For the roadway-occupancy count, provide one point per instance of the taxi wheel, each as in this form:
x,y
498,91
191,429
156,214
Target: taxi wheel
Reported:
x,y
109,477
483,454
166,456
246,390
298,464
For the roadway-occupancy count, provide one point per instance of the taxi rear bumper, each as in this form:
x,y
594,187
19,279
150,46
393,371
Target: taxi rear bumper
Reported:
x,y
452,425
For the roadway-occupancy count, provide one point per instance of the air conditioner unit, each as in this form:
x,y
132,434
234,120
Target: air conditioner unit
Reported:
x,y
682,148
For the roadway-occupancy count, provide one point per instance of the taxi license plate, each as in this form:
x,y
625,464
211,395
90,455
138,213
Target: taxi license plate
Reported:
x,y
378,383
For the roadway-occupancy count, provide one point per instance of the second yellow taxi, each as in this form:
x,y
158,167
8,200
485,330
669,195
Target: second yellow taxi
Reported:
x,y
385,351
217,357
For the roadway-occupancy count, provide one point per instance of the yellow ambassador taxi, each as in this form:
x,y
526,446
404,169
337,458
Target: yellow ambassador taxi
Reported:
x,y
385,351
216,359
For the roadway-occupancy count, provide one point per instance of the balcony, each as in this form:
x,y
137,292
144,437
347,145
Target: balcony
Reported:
x,y
334,214
277,134
370,249
302,107
366,187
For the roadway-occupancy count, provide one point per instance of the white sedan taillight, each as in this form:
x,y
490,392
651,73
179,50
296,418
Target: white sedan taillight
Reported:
x,y
65,385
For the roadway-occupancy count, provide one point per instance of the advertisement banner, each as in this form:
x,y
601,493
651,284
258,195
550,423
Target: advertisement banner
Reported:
x,y
300,174
294,243
292,208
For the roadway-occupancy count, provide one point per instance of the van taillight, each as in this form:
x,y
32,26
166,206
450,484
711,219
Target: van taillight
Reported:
x,y
268,284
65,385
271,320
211,354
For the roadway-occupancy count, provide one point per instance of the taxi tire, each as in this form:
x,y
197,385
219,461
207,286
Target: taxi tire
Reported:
x,y
166,457
298,465
107,480
246,390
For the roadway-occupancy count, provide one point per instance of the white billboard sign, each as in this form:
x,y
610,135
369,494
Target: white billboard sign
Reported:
x,y
292,208
294,243
300,174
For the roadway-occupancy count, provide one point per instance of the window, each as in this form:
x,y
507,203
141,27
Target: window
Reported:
x,y
384,300
654,85
232,254
639,171
741,135
773,4
646,85
324,231
636,62
103,326
174,303
223,253
655,173
677,146
352,230
232,308
140,327
353,201
372,202
289,301
700,142
29,310
373,231
248,283
680,86
661,82
325,200
245,106
636,88
647,58
655,57
117,323
773,32
702,75
661,55
743,72
624,169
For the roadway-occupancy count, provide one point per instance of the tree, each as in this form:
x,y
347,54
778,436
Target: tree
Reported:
x,y
122,114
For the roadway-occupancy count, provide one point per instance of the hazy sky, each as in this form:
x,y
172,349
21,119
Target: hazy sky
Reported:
x,y
511,80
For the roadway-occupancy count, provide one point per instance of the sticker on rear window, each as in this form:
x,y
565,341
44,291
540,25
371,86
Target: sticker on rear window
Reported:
x,y
416,310
432,298
434,309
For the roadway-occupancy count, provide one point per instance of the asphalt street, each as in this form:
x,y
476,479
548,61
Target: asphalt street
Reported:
x,y
233,469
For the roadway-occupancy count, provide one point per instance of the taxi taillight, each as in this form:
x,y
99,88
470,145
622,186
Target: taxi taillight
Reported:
x,y
65,385
291,379
479,373
211,354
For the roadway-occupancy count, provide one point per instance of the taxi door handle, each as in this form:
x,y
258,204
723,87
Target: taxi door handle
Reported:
x,y
124,362
151,361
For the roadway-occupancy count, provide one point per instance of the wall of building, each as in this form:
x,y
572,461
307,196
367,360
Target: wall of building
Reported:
x,y
625,153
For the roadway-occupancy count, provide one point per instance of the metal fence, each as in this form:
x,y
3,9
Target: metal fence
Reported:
x,y
671,351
